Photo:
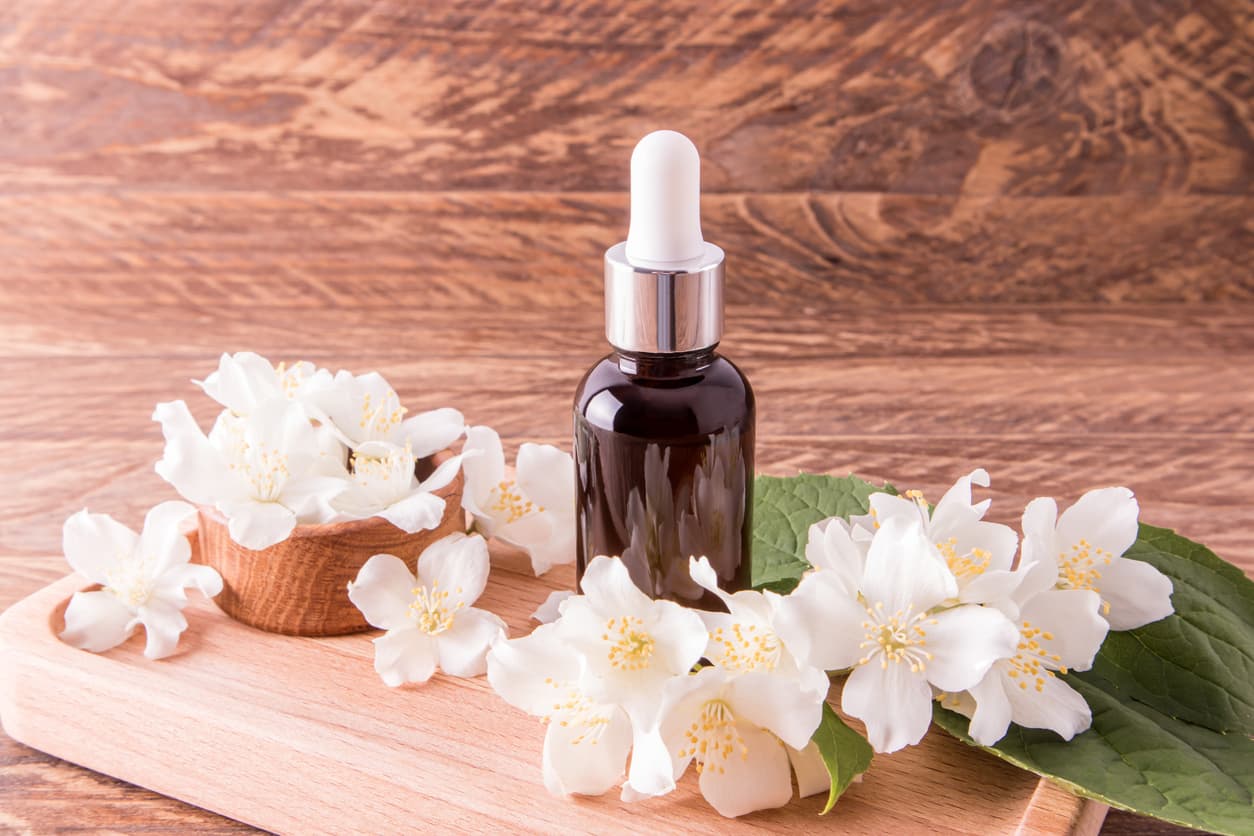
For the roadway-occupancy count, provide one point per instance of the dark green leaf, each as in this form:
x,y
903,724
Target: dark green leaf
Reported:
x,y
1196,665
1139,759
845,753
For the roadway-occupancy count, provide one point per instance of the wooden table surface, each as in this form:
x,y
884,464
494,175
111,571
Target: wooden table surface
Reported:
x,y
973,233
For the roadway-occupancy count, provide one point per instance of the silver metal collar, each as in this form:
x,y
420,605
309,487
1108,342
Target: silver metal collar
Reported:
x,y
663,311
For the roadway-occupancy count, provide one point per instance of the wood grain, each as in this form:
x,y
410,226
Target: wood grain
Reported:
x,y
297,735
965,233
803,253
1077,97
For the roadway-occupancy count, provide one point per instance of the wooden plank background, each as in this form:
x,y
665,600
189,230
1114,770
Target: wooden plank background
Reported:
x,y
999,233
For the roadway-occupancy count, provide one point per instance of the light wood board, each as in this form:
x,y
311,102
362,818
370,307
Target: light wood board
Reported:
x,y
299,735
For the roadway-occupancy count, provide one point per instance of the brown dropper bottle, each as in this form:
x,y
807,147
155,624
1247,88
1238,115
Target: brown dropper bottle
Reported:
x,y
664,424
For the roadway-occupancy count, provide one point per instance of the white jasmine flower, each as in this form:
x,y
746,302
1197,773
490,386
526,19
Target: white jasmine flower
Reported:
x,y
1086,544
534,511
739,729
383,484
746,639
429,618
365,408
143,578
979,554
587,741
889,633
244,381
1059,630
632,644
835,546
264,472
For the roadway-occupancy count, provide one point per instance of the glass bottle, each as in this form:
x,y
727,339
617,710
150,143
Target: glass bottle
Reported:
x,y
664,425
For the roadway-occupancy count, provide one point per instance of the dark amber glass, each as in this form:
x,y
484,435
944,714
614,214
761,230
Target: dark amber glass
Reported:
x,y
664,457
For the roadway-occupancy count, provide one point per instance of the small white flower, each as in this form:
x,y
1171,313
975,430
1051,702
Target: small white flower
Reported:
x,y
587,741
383,484
631,643
835,546
429,618
365,408
747,637
978,553
1086,545
265,471
534,511
245,381
887,631
742,730
1059,630
143,578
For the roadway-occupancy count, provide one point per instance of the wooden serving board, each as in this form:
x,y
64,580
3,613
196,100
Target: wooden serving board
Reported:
x,y
300,735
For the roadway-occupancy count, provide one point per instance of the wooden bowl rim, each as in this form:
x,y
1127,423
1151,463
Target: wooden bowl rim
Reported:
x,y
304,531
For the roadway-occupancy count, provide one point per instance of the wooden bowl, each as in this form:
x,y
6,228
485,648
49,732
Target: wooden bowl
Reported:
x,y
299,587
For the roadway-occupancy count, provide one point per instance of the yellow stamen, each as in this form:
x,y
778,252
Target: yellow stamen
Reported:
x,y
630,646
1079,567
896,637
512,503
712,738
430,609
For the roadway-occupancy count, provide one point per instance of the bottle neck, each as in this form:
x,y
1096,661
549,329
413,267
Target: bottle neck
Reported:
x,y
641,364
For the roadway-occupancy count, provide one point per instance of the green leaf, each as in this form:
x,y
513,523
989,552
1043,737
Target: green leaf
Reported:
x,y
783,511
1196,665
1162,698
846,754
1138,759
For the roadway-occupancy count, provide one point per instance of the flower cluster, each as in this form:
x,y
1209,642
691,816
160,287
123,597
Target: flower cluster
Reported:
x,y
300,445
921,602
916,603
617,673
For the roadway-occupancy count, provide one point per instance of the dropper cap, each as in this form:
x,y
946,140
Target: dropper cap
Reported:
x,y
665,201
664,284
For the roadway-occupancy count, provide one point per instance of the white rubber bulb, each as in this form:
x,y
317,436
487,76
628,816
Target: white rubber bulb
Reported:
x,y
665,201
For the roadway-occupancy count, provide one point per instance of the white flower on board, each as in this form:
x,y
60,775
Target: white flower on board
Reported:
x,y
631,643
265,471
888,630
428,618
1059,630
534,511
1086,544
747,638
143,578
586,741
742,731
